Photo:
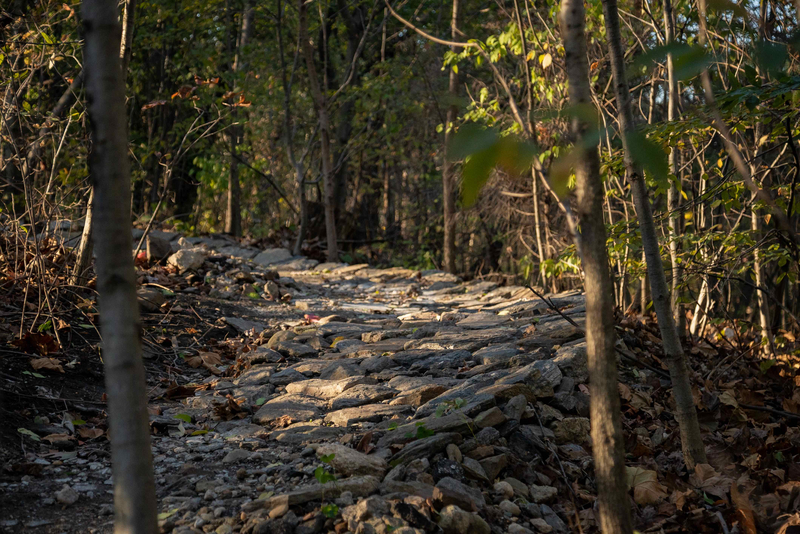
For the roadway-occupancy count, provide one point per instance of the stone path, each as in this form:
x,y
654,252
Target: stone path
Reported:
x,y
374,401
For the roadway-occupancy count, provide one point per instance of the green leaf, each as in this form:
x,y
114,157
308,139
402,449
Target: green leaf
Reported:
x,y
260,401
727,5
330,510
44,327
199,432
561,172
29,433
327,458
648,155
165,515
766,365
688,60
475,172
470,139
78,422
770,57
184,417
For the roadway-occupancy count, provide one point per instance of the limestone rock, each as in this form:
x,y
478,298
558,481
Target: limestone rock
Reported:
x,y
572,430
187,259
350,462
362,394
542,494
454,520
572,361
271,256
449,491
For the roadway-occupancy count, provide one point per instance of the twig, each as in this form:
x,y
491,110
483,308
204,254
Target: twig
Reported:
x,y
767,409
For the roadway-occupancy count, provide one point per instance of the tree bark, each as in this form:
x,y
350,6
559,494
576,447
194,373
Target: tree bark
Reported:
x,y
607,437
673,194
83,254
131,454
449,172
321,105
685,412
233,217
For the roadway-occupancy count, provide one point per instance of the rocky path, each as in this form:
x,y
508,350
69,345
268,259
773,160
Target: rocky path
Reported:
x,y
358,400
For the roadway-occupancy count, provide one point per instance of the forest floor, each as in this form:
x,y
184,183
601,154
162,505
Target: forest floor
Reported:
x,y
288,396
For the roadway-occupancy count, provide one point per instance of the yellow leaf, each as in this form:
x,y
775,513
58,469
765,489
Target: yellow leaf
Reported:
x,y
530,55
547,60
720,163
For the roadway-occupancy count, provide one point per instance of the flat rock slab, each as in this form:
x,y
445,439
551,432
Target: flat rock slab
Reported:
x,y
482,321
292,408
244,325
334,328
359,395
373,413
301,433
326,389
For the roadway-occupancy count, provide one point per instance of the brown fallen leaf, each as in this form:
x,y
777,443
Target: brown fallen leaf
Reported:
x,y
34,343
90,433
646,487
47,363
744,510
365,443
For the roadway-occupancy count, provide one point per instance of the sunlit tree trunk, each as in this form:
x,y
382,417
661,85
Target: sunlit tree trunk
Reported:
x,y
321,105
685,412
673,194
607,438
449,177
129,431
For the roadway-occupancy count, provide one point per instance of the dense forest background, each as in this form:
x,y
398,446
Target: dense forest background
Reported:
x,y
226,135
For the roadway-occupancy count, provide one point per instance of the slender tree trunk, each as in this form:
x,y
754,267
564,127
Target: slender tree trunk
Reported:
x,y
766,339
83,254
673,194
449,172
607,438
685,412
233,214
321,104
129,432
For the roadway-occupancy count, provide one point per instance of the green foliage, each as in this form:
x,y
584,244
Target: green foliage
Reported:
x,y
484,149
421,432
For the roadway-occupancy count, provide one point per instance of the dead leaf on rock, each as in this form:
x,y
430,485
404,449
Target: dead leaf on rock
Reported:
x,y
365,443
283,421
47,363
229,410
646,487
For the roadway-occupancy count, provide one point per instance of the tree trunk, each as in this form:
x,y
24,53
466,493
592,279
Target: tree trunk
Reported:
x,y
233,217
691,440
673,194
449,172
129,432
83,255
321,104
607,438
